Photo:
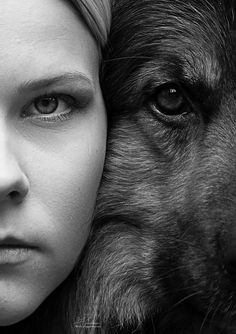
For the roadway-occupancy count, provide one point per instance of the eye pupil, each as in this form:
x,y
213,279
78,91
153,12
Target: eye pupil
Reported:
x,y
46,105
170,100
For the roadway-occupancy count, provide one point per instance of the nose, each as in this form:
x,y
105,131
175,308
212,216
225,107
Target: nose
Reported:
x,y
14,184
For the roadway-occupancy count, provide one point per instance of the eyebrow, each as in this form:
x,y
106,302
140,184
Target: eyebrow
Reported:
x,y
67,77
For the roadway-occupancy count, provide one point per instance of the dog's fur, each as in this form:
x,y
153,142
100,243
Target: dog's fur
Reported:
x,y
162,252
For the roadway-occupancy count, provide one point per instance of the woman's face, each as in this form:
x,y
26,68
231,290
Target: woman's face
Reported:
x,y
52,147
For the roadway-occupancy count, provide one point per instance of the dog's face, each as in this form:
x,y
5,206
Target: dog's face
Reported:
x,y
167,205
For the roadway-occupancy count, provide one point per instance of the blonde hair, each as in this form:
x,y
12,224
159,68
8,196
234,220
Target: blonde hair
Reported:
x,y
97,16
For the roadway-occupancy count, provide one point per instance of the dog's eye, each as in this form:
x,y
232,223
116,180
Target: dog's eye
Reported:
x,y
170,100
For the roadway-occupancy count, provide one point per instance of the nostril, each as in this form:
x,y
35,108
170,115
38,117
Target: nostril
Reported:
x,y
15,196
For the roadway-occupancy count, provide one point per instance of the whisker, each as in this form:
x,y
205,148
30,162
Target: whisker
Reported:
x,y
185,298
125,58
215,312
205,318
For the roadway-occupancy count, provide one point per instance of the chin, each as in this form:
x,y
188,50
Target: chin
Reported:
x,y
17,302
14,313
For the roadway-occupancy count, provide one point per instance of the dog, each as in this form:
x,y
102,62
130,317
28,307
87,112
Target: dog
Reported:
x,y
161,257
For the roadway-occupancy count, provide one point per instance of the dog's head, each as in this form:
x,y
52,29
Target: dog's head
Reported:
x,y
166,215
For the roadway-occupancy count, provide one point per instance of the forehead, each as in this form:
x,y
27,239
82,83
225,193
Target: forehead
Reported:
x,y
195,33
27,19
48,33
192,30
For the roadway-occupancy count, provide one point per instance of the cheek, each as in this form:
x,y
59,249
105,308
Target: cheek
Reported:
x,y
65,189
71,202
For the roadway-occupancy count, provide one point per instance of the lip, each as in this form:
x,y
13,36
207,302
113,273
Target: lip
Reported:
x,y
14,251
15,242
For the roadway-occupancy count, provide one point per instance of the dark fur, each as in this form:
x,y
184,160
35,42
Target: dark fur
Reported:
x,y
162,252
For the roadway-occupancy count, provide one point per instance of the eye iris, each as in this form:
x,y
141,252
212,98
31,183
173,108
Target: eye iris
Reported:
x,y
170,101
46,105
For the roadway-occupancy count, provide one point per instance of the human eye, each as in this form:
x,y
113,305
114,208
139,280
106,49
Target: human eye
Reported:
x,y
51,107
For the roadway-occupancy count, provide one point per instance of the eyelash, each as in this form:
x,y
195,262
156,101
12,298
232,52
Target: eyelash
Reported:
x,y
72,103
